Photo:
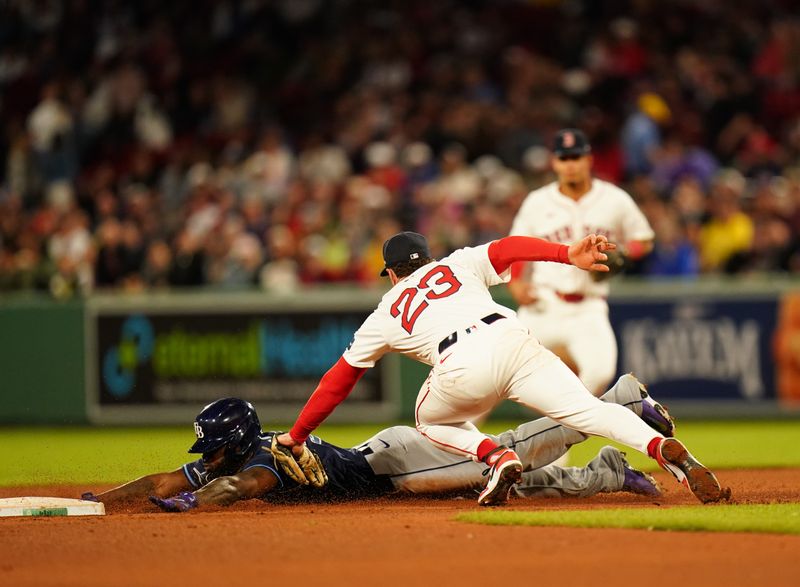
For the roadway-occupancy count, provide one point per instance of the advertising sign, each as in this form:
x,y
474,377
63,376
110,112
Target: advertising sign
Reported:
x,y
699,349
164,365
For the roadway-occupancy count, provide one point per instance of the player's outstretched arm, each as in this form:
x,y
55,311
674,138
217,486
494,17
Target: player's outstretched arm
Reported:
x,y
160,484
249,484
224,491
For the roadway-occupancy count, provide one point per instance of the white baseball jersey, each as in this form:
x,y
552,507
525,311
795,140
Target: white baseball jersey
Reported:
x,y
427,306
550,215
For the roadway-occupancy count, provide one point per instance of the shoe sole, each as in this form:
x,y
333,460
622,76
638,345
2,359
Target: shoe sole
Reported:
x,y
510,475
697,478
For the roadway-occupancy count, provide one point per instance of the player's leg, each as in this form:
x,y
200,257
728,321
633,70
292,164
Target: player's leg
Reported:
x,y
445,418
574,407
606,473
415,465
542,441
592,345
554,390
462,387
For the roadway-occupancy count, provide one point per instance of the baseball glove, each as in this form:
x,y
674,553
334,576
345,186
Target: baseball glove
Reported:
x,y
306,469
617,262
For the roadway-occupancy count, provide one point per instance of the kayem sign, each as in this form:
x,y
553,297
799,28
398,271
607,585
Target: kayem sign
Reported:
x,y
699,349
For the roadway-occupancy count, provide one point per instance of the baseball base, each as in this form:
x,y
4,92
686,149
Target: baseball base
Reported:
x,y
49,506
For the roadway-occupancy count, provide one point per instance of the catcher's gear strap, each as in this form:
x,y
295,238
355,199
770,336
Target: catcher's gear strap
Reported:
x,y
505,251
334,386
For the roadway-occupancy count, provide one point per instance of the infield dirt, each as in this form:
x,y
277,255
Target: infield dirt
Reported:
x,y
393,541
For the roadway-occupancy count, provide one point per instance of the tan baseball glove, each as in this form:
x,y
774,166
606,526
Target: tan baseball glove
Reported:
x,y
306,469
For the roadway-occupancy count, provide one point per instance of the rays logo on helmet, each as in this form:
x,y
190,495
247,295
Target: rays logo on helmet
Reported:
x,y
198,430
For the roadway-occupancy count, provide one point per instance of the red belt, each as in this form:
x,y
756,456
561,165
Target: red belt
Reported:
x,y
572,298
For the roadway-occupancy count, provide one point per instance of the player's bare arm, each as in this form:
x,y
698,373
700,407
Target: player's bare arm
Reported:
x,y
249,484
522,292
520,286
160,484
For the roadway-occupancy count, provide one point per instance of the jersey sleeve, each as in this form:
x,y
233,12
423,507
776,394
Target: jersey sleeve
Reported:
x,y
368,345
521,225
265,460
476,259
635,226
196,473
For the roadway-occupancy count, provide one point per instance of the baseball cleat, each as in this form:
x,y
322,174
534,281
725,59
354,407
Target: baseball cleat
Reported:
x,y
633,480
639,482
503,475
675,458
653,413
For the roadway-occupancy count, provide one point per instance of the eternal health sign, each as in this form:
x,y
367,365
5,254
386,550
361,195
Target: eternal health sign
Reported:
x,y
274,360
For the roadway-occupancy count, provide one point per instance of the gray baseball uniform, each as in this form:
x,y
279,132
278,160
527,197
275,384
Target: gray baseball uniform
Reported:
x,y
415,465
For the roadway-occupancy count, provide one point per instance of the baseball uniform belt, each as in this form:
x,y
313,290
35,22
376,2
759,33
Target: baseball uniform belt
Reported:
x,y
572,298
453,338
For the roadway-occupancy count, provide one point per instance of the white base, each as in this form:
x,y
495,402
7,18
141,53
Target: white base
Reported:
x,y
49,506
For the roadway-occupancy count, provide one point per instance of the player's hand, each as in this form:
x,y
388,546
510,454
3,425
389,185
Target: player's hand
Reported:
x,y
588,253
286,440
89,496
522,292
304,468
283,449
184,501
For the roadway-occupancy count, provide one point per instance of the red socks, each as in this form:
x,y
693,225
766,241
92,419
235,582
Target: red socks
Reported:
x,y
652,447
485,449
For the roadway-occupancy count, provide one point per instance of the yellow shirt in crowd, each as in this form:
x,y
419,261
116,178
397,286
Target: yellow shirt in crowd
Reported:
x,y
720,239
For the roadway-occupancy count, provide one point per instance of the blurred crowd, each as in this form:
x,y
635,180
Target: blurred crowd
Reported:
x,y
274,143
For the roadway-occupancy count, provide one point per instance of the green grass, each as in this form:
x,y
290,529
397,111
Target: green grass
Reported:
x,y
111,455
720,445
773,519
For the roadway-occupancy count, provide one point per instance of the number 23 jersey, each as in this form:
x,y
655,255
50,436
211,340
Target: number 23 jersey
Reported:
x,y
427,306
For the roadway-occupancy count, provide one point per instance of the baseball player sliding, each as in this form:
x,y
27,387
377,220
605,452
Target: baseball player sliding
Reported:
x,y
563,306
441,313
238,463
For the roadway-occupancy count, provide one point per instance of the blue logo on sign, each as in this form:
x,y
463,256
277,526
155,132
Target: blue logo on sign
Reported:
x,y
120,362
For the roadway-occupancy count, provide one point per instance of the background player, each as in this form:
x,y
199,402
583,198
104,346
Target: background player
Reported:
x,y
237,463
564,307
441,313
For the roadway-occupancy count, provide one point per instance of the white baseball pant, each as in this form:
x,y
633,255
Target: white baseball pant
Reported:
x,y
580,327
501,361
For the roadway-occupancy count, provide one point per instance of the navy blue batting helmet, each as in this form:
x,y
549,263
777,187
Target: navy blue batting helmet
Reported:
x,y
232,423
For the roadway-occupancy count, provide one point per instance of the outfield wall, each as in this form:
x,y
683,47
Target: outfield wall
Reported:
x,y
709,349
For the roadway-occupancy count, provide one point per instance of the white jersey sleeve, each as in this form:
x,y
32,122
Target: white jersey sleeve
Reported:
x,y
523,221
635,226
476,259
369,343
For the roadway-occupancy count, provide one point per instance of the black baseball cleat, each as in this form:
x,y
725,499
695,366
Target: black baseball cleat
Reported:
x,y
675,458
503,475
